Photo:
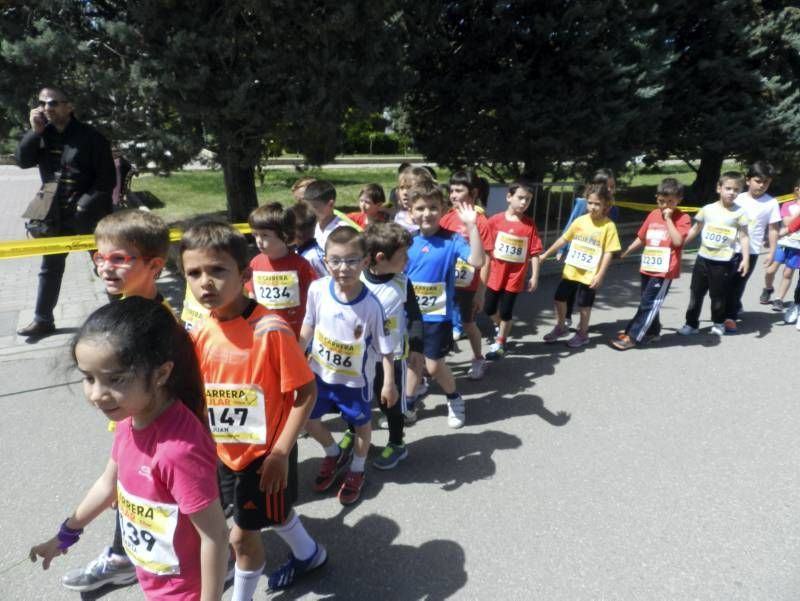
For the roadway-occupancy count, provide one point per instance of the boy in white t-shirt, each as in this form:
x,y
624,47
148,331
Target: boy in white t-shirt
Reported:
x,y
320,196
719,224
348,332
764,214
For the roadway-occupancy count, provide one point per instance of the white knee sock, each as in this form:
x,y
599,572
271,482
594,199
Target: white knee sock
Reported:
x,y
295,535
245,583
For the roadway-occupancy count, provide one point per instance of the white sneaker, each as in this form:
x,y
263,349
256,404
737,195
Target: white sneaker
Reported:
x,y
455,412
718,329
790,314
100,572
477,370
687,330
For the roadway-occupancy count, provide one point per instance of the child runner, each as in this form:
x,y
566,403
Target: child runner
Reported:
x,y
139,369
662,235
387,248
259,392
348,330
470,282
593,241
320,196
786,254
299,188
719,224
431,268
516,242
280,278
370,201
132,248
305,244
764,214
408,178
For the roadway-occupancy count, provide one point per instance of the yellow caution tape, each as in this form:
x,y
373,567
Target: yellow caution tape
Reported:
x,y
641,206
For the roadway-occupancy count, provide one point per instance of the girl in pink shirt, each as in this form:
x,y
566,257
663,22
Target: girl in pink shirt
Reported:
x,y
139,368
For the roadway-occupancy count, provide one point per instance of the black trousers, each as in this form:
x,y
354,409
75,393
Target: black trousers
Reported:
x,y
714,278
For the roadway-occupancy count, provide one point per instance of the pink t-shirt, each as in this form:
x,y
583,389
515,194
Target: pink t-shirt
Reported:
x,y
165,472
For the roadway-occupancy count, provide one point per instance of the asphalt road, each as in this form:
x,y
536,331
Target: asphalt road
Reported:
x,y
663,473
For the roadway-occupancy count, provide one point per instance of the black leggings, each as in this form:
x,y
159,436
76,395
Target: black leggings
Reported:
x,y
394,414
500,301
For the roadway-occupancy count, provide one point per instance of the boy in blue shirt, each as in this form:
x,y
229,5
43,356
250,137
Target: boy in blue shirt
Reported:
x,y
431,269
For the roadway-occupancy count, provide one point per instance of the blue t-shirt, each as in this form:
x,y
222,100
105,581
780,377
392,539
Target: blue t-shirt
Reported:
x,y
431,269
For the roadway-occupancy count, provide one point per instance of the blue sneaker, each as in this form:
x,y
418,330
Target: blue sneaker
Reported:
x,y
285,575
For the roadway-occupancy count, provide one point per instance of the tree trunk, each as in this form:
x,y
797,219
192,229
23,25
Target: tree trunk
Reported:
x,y
704,188
240,187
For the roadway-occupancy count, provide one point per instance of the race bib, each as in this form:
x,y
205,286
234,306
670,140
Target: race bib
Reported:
x,y
343,358
718,240
277,289
148,529
236,413
655,259
465,273
193,313
510,248
431,297
583,256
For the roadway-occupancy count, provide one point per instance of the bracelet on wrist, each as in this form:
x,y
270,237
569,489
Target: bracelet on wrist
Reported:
x,y
68,536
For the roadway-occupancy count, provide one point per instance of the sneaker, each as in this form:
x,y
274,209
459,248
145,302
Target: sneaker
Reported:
x,y
496,351
777,305
623,343
458,333
410,416
350,490
730,326
718,329
790,315
766,293
383,423
392,455
422,388
578,340
455,412
556,333
100,572
651,338
568,323
687,330
346,447
477,370
285,575
329,470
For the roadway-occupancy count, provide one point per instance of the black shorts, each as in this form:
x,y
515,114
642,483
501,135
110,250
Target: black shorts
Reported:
x,y
464,300
584,296
501,302
438,338
252,508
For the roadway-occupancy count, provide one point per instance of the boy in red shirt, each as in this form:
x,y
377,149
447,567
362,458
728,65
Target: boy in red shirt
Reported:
x,y
280,277
663,235
259,393
515,241
470,282
370,201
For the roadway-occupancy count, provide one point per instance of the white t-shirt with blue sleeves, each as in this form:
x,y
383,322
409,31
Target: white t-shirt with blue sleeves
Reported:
x,y
431,269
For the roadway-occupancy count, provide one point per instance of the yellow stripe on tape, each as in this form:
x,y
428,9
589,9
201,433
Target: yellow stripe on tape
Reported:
x,y
45,246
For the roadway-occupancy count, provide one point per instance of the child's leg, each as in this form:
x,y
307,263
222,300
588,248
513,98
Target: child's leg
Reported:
x,y
561,313
583,323
363,440
440,371
769,275
785,282
654,291
321,434
723,290
697,291
250,562
736,285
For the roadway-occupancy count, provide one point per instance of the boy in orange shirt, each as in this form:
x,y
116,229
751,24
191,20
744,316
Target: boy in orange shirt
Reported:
x,y
259,392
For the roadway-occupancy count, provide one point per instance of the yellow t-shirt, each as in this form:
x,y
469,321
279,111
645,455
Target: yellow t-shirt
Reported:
x,y
589,241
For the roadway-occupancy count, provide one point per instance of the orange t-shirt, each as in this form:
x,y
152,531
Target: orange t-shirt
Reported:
x,y
251,367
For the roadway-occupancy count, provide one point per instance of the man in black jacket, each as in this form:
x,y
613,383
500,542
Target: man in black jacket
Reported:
x,y
78,158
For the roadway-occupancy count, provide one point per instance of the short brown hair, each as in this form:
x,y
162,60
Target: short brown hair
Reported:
x,y
275,218
386,238
411,176
344,234
218,236
374,192
670,186
304,219
426,189
144,230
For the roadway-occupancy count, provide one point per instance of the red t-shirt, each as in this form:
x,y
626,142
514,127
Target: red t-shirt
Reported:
x,y
281,285
361,218
467,277
656,260
251,367
514,243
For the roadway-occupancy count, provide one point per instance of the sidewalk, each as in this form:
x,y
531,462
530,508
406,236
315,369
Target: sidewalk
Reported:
x,y
81,291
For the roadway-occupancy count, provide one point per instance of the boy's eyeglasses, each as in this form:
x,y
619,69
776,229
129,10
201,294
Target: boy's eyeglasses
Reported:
x,y
351,263
50,103
114,259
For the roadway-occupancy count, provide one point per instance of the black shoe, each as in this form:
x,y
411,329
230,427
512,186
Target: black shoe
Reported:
x,y
37,329
766,294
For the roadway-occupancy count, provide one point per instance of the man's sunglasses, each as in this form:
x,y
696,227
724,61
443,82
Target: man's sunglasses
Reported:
x,y
51,103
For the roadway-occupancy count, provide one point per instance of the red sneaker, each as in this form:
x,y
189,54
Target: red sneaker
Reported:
x,y
329,470
350,491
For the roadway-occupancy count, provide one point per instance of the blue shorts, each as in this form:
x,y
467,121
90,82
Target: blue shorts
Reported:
x,y
438,339
791,257
354,404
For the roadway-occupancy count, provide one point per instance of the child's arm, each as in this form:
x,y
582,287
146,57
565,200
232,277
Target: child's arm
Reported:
x,y
275,469
694,232
744,240
100,496
213,532
633,247
533,283
562,241
306,334
389,390
597,280
469,218
674,235
772,236
416,345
